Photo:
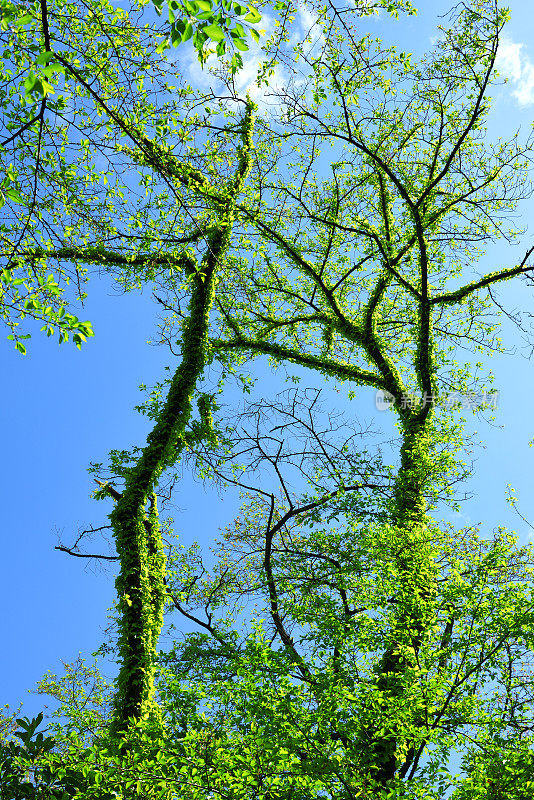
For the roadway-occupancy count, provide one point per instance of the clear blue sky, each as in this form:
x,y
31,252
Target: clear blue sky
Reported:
x,y
62,408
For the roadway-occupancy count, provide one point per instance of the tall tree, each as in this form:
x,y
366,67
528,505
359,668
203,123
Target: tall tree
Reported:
x,y
118,212
338,237
365,276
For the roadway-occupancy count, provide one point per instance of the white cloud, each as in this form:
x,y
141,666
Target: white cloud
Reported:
x,y
514,64
307,29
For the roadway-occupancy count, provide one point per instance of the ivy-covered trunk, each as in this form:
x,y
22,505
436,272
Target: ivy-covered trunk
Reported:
x,y
140,583
412,554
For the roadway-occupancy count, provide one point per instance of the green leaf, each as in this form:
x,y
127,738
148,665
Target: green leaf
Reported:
x,y
21,21
45,57
240,44
204,5
50,69
214,32
45,88
14,195
162,46
30,82
253,15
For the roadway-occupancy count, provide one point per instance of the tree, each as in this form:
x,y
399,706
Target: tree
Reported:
x,y
411,192
380,631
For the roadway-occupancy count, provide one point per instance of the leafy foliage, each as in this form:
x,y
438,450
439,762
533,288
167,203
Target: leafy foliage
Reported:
x,y
23,775
345,640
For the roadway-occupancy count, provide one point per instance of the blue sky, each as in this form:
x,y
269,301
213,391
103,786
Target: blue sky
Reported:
x,y
62,408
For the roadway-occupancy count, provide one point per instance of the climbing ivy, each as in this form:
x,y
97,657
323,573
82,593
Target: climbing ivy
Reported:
x,y
342,243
